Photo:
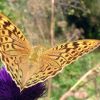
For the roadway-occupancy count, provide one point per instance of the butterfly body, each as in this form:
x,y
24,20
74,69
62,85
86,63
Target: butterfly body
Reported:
x,y
29,65
35,53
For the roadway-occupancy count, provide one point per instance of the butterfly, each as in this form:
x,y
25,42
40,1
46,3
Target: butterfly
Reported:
x,y
29,65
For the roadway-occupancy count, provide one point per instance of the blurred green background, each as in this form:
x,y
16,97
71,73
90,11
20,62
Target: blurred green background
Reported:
x,y
74,19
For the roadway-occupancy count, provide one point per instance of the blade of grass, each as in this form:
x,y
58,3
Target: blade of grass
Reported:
x,y
52,42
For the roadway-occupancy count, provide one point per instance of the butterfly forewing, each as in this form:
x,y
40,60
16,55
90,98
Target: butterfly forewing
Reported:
x,y
13,49
54,60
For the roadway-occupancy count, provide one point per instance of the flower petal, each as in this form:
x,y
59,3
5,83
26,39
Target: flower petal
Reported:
x,y
33,92
10,91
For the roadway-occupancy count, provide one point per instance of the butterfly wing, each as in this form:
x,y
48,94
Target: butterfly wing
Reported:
x,y
14,48
55,59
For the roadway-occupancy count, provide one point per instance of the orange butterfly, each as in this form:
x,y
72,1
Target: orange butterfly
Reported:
x,y
29,65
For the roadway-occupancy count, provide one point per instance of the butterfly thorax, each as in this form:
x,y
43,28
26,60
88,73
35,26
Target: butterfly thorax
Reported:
x,y
35,53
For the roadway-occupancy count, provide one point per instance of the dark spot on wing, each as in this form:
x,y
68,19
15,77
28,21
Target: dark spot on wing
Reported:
x,y
7,45
4,47
66,55
9,33
12,46
12,64
14,30
11,69
84,43
1,39
3,32
37,76
69,58
43,78
73,51
48,68
18,33
67,49
6,24
11,57
15,75
16,70
7,60
61,46
50,72
61,60
6,38
85,46
56,47
21,37
66,45
75,44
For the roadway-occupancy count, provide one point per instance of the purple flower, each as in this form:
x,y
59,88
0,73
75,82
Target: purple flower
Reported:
x,y
9,90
